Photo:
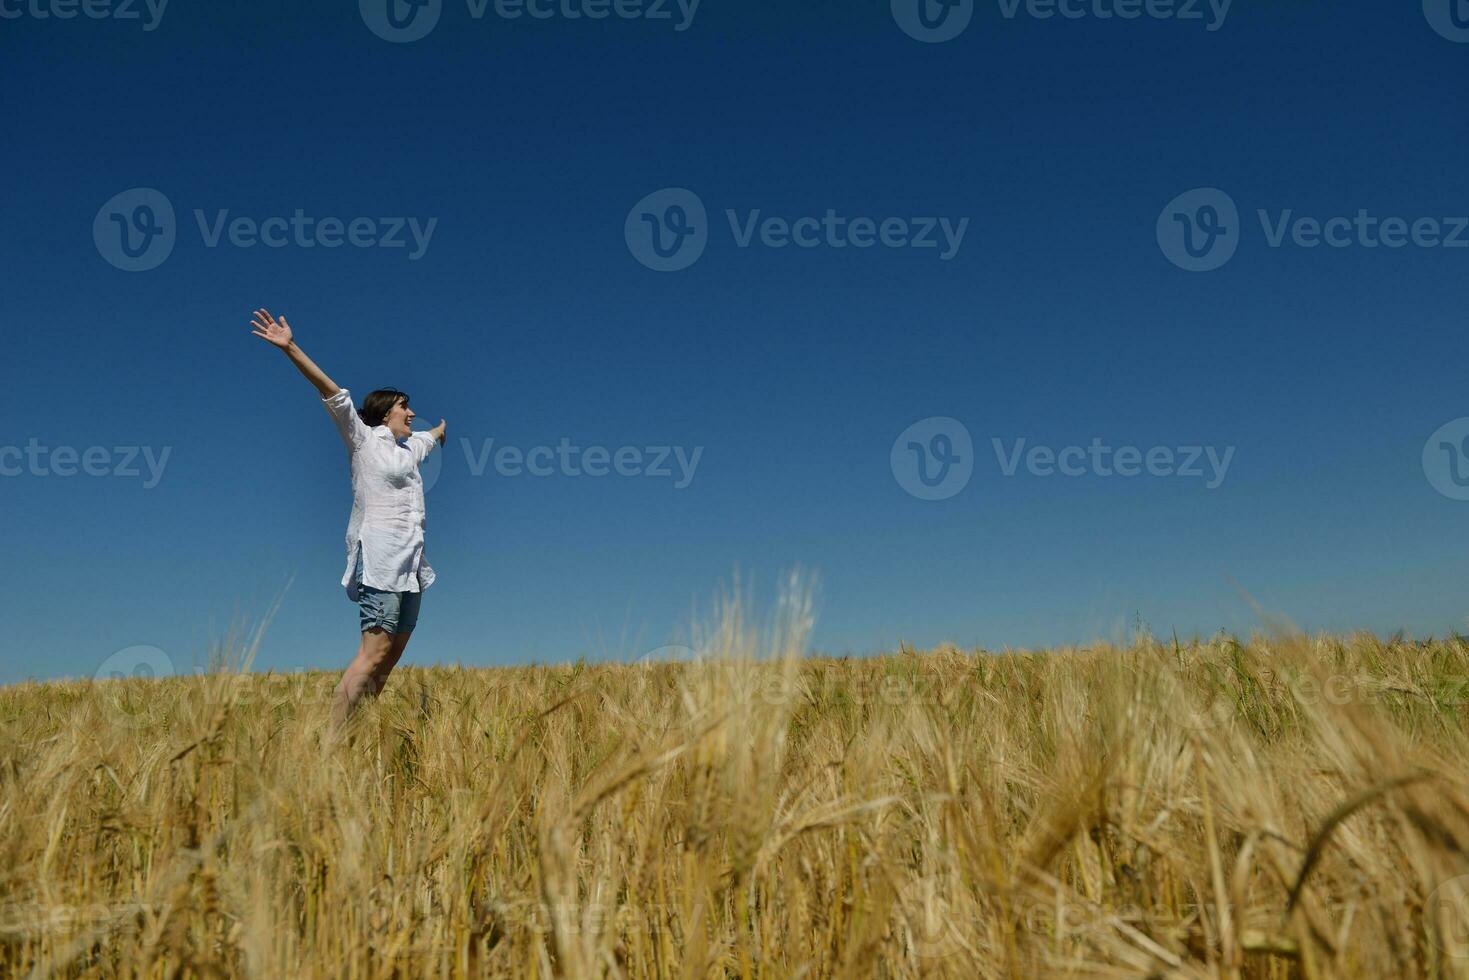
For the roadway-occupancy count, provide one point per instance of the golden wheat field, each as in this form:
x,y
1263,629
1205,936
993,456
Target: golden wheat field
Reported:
x,y
1283,807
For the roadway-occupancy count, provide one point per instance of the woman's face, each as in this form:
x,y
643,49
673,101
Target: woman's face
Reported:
x,y
400,420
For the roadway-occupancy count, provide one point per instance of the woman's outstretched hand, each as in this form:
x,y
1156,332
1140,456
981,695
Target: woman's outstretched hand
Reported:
x,y
271,330
439,431
277,333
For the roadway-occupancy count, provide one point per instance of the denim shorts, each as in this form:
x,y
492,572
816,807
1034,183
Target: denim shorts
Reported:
x,y
391,612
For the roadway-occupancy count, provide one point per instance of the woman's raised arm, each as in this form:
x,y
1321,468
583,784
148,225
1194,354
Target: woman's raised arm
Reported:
x,y
278,332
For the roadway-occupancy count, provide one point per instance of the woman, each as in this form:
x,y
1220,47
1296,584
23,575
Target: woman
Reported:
x,y
386,568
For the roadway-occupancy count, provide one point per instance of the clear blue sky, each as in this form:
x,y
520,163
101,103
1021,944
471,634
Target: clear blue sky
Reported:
x,y
528,319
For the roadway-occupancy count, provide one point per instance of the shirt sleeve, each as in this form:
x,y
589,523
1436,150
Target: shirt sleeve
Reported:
x,y
421,443
349,425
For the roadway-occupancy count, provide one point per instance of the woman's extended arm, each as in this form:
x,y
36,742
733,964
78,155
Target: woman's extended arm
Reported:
x,y
278,332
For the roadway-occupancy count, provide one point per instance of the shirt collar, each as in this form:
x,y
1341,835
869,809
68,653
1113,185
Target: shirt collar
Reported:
x,y
383,432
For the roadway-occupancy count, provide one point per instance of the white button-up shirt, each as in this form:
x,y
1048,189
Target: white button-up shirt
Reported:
x,y
387,502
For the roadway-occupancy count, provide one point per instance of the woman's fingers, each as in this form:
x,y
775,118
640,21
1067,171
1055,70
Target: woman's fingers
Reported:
x,y
264,321
267,327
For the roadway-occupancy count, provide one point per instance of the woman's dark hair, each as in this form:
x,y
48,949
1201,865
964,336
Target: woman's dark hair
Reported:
x,y
377,405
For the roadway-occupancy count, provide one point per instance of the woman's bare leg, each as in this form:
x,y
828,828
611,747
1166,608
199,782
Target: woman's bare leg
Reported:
x,y
395,654
376,657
